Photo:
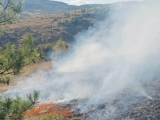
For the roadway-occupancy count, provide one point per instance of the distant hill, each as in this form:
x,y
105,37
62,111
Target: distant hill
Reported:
x,y
48,29
34,8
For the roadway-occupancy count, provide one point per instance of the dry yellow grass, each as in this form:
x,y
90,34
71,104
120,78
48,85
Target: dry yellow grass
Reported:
x,y
27,70
30,69
33,118
3,88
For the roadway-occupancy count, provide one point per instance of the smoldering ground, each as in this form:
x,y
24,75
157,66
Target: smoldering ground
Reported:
x,y
114,56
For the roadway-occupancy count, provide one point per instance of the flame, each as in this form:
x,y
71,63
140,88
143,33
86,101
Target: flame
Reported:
x,y
49,110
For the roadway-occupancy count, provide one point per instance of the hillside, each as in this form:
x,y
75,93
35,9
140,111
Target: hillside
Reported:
x,y
51,28
33,8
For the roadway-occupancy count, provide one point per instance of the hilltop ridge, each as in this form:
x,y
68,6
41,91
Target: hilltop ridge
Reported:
x,y
44,7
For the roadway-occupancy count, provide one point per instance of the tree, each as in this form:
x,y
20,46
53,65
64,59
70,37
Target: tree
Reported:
x,y
14,109
59,48
60,45
9,10
12,59
40,50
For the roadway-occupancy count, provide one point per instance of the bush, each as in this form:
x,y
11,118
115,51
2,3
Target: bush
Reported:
x,y
14,109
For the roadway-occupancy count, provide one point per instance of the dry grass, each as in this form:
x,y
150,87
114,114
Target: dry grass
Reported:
x,y
30,69
3,88
34,118
27,70
43,118
45,30
41,112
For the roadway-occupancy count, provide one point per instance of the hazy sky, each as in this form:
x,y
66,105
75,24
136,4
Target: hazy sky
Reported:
x,y
80,2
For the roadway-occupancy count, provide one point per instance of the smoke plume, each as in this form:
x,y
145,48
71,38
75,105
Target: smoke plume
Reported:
x,y
119,53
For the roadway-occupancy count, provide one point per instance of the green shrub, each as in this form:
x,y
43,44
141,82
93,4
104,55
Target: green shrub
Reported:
x,y
12,59
14,109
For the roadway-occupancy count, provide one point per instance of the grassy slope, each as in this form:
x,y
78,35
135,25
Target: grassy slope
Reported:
x,y
26,71
51,28
47,30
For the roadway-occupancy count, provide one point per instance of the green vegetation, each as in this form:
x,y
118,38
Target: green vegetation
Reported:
x,y
14,109
60,45
9,10
56,48
12,59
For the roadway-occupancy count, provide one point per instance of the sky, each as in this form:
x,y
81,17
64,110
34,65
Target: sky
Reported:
x,y
81,2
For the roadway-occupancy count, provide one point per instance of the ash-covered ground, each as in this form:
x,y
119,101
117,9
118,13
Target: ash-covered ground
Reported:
x,y
126,106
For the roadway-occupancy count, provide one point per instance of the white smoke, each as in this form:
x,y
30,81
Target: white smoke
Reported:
x,y
117,53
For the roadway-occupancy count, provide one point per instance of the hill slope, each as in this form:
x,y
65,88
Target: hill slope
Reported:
x,y
43,7
50,29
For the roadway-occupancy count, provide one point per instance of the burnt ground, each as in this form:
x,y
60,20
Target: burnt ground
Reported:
x,y
126,106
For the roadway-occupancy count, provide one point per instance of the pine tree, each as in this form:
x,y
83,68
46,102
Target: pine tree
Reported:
x,y
9,10
12,59
14,109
